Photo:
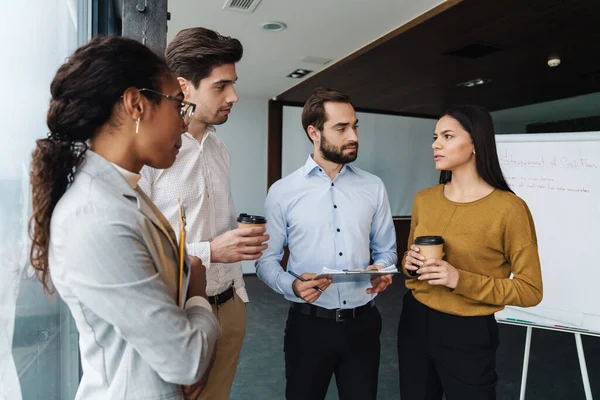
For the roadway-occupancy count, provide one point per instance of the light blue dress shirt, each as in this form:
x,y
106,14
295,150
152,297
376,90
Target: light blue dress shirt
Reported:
x,y
327,223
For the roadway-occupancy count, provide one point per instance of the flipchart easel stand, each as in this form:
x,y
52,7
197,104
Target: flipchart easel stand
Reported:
x,y
580,353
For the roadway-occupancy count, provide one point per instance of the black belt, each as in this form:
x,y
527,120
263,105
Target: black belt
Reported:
x,y
338,314
222,297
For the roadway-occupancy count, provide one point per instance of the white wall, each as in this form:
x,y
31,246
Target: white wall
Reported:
x,y
245,135
397,149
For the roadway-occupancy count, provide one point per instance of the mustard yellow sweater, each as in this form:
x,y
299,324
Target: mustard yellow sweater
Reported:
x,y
486,240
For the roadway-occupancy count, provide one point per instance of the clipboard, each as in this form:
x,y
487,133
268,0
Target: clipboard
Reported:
x,y
183,267
355,275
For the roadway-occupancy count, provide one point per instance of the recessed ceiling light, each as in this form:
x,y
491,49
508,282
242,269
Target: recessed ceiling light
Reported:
x,y
474,82
553,62
299,73
274,26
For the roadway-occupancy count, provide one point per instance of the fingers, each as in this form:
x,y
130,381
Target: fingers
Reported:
x,y
414,260
412,264
307,291
324,285
430,269
254,240
254,231
254,249
410,267
312,296
380,287
250,257
310,284
380,284
432,275
415,255
433,261
192,392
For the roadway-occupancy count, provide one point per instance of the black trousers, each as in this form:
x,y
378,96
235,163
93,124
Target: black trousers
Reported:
x,y
439,353
316,348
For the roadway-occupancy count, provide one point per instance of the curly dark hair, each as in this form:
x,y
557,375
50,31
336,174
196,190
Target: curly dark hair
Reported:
x,y
85,90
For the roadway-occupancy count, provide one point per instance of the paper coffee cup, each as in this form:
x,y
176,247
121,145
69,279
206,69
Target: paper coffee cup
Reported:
x,y
429,247
250,221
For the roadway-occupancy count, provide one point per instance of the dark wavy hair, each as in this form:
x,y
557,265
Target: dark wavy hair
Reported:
x,y
85,90
195,52
477,121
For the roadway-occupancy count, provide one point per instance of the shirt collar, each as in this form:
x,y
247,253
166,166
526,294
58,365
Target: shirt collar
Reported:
x,y
311,165
204,137
131,177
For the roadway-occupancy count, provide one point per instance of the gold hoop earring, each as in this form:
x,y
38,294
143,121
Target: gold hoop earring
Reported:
x,y
137,126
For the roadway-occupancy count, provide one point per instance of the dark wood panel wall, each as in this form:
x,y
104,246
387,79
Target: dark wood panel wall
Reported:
x,y
402,231
274,141
589,124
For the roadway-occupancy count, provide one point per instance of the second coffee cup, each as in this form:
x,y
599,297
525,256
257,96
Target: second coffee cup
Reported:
x,y
250,221
429,247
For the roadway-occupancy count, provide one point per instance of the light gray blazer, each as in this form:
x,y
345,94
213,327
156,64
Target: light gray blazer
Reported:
x,y
116,266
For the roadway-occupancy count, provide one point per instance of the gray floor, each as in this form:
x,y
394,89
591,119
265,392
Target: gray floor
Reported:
x,y
553,373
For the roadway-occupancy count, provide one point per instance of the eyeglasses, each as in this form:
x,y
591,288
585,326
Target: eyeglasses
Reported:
x,y
186,109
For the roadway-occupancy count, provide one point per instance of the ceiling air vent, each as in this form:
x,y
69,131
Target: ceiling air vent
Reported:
x,y
247,6
474,50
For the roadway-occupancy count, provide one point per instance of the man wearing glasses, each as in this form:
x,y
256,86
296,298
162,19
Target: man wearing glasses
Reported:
x,y
204,63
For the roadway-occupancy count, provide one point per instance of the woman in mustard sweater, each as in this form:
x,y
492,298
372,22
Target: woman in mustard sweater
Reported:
x,y
447,337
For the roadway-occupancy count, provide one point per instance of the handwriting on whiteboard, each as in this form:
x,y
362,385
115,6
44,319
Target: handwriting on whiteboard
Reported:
x,y
542,183
508,159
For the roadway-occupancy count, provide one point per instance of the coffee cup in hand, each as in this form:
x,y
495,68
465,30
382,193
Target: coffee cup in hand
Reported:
x,y
250,221
429,247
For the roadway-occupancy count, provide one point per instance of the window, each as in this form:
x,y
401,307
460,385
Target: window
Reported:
x,y
38,340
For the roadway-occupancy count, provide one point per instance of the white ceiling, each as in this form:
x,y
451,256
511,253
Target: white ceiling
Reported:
x,y
320,28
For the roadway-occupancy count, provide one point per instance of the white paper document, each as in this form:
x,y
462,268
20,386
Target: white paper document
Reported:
x,y
354,274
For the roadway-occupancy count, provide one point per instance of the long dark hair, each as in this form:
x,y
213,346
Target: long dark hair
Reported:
x,y
84,92
478,122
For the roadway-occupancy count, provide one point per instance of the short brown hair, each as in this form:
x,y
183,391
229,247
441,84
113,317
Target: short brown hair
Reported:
x,y
313,112
195,52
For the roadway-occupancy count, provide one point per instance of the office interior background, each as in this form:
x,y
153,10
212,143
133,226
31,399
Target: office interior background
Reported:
x,y
533,64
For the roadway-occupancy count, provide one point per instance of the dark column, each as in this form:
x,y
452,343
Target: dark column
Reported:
x,y
146,21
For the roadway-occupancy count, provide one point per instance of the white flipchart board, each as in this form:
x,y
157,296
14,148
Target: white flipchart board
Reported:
x,y
558,175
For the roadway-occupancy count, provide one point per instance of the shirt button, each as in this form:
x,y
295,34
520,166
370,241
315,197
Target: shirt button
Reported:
x,y
338,229
320,170
334,206
344,301
332,184
341,254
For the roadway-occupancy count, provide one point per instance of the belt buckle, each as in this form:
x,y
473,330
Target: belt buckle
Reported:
x,y
339,316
